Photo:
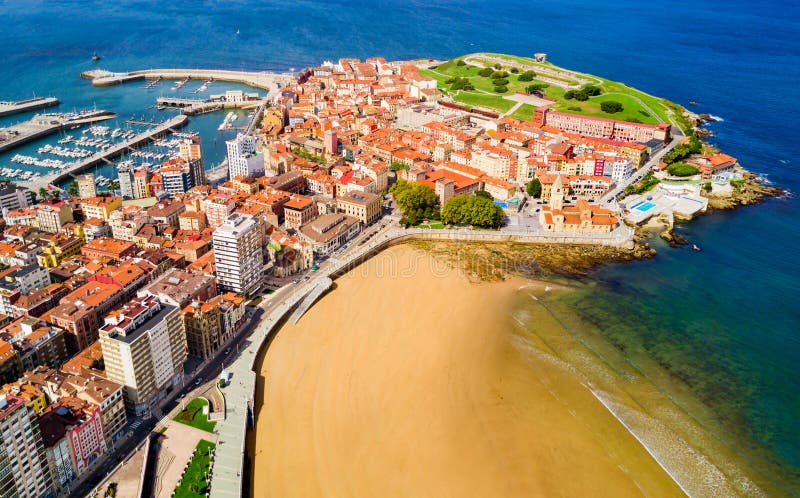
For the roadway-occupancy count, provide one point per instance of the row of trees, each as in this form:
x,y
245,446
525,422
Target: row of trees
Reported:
x,y
682,151
478,211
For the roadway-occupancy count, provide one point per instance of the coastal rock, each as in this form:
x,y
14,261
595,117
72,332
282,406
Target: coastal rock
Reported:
x,y
498,261
753,191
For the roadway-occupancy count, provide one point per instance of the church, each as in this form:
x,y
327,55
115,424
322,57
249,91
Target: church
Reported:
x,y
580,218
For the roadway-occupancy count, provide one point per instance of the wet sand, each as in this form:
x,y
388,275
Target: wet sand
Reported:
x,y
399,385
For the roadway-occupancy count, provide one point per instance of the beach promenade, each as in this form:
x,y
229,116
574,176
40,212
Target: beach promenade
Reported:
x,y
229,464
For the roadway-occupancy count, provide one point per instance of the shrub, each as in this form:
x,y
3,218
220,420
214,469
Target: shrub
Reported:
x,y
499,74
611,106
500,81
575,108
707,187
527,76
514,70
485,72
500,89
461,63
498,66
737,184
591,90
536,87
681,169
644,113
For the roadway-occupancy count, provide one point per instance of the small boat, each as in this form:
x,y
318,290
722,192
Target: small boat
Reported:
x,y
237,31
95,57
692,102
695,247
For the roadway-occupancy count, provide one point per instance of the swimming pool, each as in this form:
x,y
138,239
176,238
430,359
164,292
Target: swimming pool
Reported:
x,y
643,206
502,204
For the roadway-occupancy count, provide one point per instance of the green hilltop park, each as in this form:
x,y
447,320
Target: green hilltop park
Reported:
x,y
494,81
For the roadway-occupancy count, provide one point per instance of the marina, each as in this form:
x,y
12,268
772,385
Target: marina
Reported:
x,y
42,125
34,104
106,155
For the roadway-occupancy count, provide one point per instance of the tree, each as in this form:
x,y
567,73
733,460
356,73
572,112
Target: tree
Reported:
x,y
486,72
414,199
477,211
483,193
499,74
72,189
397,166
42,193
534,188
591,90
527,76
500,89
514,70
611,106
461,63
707,187
500,81
682,169
113,185
498,66
536,87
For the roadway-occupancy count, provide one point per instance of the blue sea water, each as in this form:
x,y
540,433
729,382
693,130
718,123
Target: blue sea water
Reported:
x,y
725,320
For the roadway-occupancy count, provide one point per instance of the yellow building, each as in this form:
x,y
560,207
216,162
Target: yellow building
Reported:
x,y
59,247
100,207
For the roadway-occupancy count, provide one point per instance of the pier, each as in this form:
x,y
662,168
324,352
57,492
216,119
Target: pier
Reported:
x,y
43,125
191,107
34,104
263,80
106,155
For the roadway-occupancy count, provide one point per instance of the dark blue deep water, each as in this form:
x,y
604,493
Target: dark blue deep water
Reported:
x,y
725,320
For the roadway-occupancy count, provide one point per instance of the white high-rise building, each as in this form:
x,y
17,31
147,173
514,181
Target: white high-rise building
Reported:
x,y
243,160
144,349
238,254
24,472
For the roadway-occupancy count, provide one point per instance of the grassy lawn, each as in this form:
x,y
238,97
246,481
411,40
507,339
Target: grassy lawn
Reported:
x,y
434,225
255,302
193,415
194,481
485,96
524,113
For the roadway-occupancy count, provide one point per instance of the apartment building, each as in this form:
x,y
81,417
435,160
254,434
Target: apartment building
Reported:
x,y
144,349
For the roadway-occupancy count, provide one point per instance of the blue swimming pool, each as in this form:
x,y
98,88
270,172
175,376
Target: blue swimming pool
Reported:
x,y
502,204
643,206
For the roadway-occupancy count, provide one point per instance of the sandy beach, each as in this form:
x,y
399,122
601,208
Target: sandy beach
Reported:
x,y
412,383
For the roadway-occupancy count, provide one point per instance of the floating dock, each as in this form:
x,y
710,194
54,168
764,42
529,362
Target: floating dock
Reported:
x,y
43,125
15,107
105,156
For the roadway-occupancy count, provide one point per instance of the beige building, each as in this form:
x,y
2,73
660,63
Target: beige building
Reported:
x,y
86,186
364,206
204,329
53,215
298,211
144,348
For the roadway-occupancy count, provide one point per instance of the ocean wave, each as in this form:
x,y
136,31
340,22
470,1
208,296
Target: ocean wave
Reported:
x,y
716,118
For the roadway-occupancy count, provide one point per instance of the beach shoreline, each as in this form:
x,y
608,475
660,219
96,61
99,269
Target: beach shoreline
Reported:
x,y
272,423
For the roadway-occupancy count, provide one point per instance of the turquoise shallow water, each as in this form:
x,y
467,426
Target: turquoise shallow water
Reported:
x,y
724,320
